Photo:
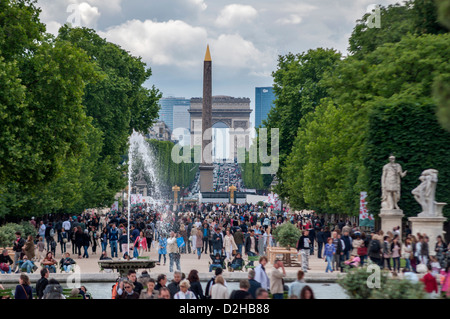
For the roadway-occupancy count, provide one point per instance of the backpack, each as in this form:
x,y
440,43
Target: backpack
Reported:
x,y
52,232
375,246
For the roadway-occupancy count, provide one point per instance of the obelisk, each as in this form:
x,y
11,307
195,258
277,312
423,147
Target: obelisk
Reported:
x,y
206,167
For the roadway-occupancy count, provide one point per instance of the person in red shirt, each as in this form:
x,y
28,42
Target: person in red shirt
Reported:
x,y
430,282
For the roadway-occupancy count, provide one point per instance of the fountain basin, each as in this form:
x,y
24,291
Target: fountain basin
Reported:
x,y
123,266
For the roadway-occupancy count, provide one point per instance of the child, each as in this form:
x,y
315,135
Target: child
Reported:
x,y
435,266
430,282
353,262
40,249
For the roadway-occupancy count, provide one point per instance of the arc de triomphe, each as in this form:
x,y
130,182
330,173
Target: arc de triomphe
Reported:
x,y
233,112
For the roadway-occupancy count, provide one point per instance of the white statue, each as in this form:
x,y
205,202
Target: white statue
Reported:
x,y
425,193
390,184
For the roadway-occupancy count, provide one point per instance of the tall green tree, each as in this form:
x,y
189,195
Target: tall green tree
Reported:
x,y
298,90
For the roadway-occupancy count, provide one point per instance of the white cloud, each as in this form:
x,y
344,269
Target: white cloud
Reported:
x,y
231,50
53,27
235,14
161,43
293,13
199,3
177,44
291,19
89,14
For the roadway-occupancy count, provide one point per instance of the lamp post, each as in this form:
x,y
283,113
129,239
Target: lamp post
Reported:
x,y
175,190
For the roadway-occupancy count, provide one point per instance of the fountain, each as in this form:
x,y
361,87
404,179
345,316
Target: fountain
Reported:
x,y
140,152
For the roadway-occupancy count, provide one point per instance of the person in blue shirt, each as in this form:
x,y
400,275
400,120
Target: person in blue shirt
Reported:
x,y
162,250
113,237
329,251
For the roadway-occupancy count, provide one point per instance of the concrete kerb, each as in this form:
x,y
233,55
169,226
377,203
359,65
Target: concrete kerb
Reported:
x,y
111,277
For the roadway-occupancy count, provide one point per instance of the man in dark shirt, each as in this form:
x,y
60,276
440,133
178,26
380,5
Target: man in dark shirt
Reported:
x,y
242,293
161,281
174,286
254,285
320,242
42,283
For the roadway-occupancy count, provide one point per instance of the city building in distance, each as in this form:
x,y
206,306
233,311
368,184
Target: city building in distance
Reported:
x,y
264,101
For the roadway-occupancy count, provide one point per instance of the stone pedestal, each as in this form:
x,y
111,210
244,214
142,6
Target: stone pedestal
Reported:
x,y
206,178
391,218
431,226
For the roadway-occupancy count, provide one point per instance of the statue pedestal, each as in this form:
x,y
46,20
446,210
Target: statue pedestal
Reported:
x,y
431,226
391,218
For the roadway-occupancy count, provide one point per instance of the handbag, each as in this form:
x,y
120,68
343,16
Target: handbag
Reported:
x,y
362,251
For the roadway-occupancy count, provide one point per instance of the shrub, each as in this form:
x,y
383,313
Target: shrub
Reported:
x,y
8,234
286,234
400,289
28,229
355,285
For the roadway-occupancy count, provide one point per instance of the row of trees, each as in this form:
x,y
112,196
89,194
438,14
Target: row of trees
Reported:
x,y
341,117
169,172
67,106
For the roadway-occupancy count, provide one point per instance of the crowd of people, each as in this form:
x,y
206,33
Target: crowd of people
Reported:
x,y
226,233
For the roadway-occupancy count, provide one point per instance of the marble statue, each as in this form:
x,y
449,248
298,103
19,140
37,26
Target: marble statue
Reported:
x,y
390,184
425,193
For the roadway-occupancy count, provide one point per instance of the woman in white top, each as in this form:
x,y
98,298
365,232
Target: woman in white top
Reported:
x,y
219,290
184,292
229,245
194,239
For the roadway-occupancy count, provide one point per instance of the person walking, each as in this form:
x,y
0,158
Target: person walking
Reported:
x,y
217,242
251,245
64,238
17,248
94,239
193,238
141,244
86,243
303,248
104,239
172,249
229,245
113,238
239,239
329,252
260,273
276,279
205,237
199,242
162,248
29,248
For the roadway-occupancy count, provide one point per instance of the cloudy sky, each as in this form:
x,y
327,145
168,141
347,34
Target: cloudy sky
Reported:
x,y
245,37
